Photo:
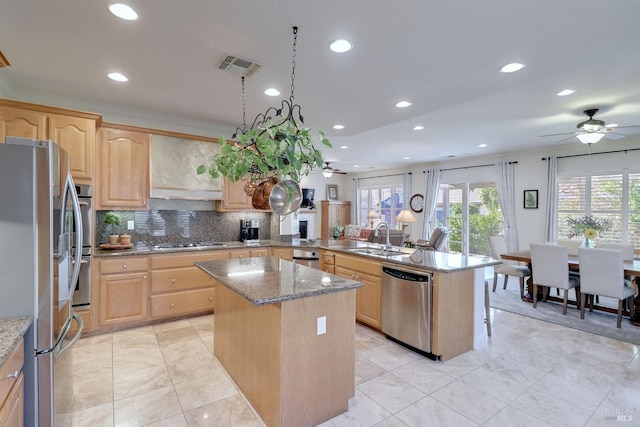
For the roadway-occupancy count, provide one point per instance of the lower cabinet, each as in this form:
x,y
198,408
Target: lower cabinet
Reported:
x,y
248,253
124,290
282,253
178,287
12,389
369,296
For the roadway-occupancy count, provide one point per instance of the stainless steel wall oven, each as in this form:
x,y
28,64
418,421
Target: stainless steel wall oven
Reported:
x,y
82,294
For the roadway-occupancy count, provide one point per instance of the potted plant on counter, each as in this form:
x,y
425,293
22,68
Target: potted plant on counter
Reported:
x,y
111,218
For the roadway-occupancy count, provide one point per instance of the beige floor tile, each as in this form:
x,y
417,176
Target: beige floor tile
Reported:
x,y
176,334
126,343
422,375
94,340
183,349
92,352
205,390
391,392
458,395
202,323
363,411
430,412
175,421
176,324
136,382
498,385
392,421
146,408
366,370
511,416
390,355
129,361
91,392
230,412
96,416
201,365
99,367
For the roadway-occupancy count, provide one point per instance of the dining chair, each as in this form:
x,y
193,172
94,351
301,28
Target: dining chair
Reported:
x,y
572,245
507,268
602,273
626,248
550,268
437,240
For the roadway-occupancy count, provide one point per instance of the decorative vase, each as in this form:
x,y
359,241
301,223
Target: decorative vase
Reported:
x,y
113,239
588,243
336,234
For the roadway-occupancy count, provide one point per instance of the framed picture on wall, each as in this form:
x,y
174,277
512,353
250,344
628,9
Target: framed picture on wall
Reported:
x,y
332,192
531,199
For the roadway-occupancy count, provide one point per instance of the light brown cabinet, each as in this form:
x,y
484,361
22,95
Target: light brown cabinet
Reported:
x,y
282,253
334,212
123,169
75,131
12,389
327,262
123,290
369,297
248,253
234,198
178,287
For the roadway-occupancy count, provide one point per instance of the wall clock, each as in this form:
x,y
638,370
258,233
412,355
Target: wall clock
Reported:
x,y
417,203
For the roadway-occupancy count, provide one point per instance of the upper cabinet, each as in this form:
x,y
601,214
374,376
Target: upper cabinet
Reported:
x,y
234,198
74,131
334,212
123,169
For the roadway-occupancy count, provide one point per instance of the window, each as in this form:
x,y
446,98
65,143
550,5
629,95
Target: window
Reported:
x,y
472,213
385,200
614,196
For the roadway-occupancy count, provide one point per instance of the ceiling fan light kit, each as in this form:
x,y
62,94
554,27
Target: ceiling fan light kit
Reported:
x,y
590,137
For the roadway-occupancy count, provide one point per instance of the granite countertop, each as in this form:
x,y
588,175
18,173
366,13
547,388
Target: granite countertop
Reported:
x,y
409,257
12,329
269,280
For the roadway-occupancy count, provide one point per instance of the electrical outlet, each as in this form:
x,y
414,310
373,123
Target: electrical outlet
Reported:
x,y
322,325
130,225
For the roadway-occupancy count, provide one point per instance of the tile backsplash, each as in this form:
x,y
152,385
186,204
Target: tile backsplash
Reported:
x,y
163,226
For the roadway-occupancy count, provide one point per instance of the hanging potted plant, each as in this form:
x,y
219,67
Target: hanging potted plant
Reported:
x,y
111,219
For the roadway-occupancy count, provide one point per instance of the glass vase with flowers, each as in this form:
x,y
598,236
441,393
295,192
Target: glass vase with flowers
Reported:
x,y
589,228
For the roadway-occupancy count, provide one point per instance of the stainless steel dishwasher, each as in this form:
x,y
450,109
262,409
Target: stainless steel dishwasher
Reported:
x,y
407,307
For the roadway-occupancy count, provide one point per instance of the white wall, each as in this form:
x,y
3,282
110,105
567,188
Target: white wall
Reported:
x,y
530,174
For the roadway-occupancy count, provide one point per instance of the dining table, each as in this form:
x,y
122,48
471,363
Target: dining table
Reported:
x,y
631,268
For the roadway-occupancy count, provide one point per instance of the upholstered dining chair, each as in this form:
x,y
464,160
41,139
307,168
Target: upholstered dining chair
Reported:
x,y
437,240
626,248
550,268
602,273
507,268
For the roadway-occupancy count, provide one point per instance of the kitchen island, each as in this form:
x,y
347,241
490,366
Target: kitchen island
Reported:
x,y
285,333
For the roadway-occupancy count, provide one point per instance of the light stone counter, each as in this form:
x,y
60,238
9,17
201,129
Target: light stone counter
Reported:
x,y
268,280
12,329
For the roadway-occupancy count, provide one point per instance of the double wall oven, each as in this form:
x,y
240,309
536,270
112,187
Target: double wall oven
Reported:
x,y
82,294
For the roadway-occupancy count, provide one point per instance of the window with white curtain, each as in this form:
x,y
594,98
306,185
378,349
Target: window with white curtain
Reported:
x,y
613,195
384,200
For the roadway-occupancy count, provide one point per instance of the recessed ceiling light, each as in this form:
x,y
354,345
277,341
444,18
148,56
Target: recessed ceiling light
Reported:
x,y
612,125
418,127
118,77
340,46
123,11
403,104
482,145
512,68
338,127
344,146
566,92
356,166
272,92
406,158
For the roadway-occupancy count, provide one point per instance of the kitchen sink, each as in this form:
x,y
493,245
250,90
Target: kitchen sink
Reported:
x,y
375,251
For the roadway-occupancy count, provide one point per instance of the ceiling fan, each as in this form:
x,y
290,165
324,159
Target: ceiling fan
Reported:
x,y
327,171
592,130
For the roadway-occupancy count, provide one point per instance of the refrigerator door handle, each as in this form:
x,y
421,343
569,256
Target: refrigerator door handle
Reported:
x,y
77,219
63,333
74,316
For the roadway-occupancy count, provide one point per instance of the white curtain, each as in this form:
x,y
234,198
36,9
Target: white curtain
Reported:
x,y
551,219
406,186
357,204
507,197
430,200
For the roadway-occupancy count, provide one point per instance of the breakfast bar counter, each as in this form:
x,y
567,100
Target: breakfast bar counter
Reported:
x,y
285,333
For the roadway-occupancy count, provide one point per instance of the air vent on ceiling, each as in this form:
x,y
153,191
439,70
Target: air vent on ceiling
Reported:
x,y
238,65
4,62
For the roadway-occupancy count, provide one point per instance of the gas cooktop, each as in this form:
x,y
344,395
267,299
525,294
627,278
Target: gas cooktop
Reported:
x,y
186,246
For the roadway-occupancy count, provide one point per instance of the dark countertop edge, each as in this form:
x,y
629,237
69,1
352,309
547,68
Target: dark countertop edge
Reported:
x,y
349,285
12,329
325,244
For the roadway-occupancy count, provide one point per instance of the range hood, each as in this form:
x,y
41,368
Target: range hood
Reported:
x,y
173,169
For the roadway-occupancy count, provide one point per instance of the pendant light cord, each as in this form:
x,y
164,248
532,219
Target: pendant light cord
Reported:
x,y
293,62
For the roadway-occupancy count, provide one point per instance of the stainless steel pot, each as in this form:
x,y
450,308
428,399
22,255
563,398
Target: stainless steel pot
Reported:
x,y
285,197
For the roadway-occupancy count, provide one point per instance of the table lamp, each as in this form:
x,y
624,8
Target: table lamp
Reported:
x,y
405,217
371,216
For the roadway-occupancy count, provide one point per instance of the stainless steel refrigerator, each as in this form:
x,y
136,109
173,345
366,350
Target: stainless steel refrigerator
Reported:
x,y
38,210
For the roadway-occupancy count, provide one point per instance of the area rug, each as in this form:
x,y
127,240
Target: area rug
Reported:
x,y
600,323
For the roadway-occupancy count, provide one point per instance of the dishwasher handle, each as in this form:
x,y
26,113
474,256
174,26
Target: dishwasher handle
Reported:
x,y
406,275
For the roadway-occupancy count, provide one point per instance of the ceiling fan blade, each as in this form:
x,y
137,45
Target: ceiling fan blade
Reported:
x,y
559,134
565,139
630,126
613,135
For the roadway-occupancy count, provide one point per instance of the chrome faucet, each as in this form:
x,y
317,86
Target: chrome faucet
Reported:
x,y
388,245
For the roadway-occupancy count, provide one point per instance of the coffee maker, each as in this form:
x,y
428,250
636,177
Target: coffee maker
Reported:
x,y
249,230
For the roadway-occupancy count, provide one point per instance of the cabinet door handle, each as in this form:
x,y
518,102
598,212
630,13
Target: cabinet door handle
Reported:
x,y
173,280
124,265
144,277
14,375
172,305
210,298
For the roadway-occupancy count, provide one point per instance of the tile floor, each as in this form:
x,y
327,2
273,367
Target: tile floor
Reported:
x,y
531,373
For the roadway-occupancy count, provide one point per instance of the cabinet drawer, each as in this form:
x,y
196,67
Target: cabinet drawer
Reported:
x,y
329,259
240,253
177,303
10,371
123,265
359,264
331,269
186,260
282,253
259,252
179,279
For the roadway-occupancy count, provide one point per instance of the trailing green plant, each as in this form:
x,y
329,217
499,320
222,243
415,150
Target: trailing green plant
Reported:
x,y
111,218
277,150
